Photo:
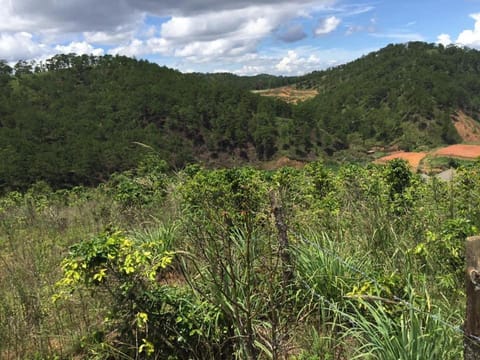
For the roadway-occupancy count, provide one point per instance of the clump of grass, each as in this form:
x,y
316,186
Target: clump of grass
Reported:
x,y
411,335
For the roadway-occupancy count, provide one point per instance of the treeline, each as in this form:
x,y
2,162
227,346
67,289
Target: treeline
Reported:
x,y
403,94
77,119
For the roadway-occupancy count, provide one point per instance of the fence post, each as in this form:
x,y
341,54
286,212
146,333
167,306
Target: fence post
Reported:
x,y
472,282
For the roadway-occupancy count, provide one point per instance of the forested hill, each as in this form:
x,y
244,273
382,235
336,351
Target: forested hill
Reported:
x,y
76,119
403,94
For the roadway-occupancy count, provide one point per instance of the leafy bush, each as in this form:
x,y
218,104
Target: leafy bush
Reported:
x,y
145,314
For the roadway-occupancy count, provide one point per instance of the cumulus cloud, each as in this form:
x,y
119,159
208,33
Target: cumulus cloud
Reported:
x,y
227,33
215,33
327,25
195,29
107,15
295,64
444,39
79,48
121,34
471,37
20,45
138,47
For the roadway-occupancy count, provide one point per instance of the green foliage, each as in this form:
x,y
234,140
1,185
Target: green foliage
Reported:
x,y
146,185
168,320
229,196
414,335
402,94
238,263
75,120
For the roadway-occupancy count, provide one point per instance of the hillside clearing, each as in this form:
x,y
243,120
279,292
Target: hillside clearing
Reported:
x,y
288,94
413,158
467,128
460,150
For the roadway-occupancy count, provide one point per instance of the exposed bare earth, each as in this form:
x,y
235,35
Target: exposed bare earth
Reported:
x,y
282,162
467,128
413,158
289,94
459,150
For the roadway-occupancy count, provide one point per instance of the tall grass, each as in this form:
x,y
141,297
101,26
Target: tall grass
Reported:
x,y
410,335
352,235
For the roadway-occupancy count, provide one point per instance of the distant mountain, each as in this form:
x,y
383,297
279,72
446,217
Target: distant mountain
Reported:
x,y
77,119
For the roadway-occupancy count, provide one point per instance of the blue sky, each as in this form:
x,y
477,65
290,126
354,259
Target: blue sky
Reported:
x,y
245,37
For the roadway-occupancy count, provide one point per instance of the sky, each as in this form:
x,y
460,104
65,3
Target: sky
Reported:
x,y
245,37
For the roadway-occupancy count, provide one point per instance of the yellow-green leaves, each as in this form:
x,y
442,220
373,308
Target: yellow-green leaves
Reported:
x,y
112,256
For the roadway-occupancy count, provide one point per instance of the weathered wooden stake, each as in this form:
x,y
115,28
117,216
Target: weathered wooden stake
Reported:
x,y
472,283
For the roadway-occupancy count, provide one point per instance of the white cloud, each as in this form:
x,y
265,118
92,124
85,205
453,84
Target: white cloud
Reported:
x,y
327,25
108,38
134,48
248,70
79,48
400,36
20,45
295,64
210,34
471,37
444,39
138,47
225,33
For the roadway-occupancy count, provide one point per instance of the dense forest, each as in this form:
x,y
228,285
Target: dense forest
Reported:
x,y
74,120
77,119
403,94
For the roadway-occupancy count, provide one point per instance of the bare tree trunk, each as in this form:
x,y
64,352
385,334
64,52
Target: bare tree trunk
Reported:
x,y
283,243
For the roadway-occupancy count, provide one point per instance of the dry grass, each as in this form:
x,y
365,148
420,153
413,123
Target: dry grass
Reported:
x,y
289,94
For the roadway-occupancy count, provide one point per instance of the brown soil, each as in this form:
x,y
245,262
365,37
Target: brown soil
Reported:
x,y
289,94
467,128
413,158
460,150
282,162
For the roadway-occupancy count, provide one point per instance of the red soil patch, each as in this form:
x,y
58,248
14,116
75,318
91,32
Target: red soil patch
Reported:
x,y
460,150
467,128
413,158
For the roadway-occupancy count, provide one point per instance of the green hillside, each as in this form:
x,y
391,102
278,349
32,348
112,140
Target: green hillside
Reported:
x,y
401,95
77,119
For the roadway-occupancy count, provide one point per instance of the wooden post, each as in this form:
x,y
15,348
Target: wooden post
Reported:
x,y
472,283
